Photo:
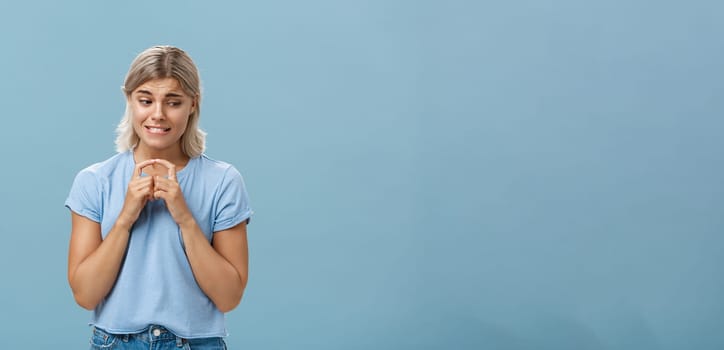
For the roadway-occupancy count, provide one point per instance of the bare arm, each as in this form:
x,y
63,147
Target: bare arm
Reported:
x,y
220,268
94,262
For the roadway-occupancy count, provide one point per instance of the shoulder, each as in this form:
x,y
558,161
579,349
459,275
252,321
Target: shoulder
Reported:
x,y
219,173
215,167
106,168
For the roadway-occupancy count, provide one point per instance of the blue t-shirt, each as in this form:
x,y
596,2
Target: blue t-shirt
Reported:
x,y
155,284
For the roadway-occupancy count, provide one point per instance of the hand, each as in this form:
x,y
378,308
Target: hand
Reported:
x,y
169,190
140,191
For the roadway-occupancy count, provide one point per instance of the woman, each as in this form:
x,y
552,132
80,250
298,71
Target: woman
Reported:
x,y
158,247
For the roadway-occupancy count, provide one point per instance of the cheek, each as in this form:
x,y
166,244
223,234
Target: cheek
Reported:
x,y
136,114
182,121
136,118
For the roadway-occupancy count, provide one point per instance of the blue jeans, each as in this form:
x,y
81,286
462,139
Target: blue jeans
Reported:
x,y
154,338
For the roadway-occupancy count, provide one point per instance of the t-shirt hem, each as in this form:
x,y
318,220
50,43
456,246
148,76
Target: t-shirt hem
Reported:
x,y
178,334
227,224
84,213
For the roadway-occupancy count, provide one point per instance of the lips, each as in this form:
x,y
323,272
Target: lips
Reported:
x,y
157,129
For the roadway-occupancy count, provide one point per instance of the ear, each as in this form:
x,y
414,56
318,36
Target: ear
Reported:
x,y
194,104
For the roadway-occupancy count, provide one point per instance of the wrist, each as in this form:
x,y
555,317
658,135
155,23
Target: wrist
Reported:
x,y
186,222
123,223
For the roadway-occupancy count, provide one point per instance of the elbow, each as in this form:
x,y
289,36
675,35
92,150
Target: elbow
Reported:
x,y
85,302
227,307
230,304
90,306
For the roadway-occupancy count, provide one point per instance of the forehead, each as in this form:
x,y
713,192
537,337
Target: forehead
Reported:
x,y
161,86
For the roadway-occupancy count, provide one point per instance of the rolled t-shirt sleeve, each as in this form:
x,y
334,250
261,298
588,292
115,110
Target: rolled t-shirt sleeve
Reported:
x,y
84,198
232,205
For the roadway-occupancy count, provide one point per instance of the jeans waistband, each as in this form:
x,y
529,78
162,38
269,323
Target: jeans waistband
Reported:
x,y
154,333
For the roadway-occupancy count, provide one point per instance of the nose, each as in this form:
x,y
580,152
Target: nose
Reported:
x,y
157,112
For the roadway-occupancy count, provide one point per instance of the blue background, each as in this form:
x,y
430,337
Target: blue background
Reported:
x,y
426,174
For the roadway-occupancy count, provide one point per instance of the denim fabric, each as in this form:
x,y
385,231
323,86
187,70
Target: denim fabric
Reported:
x,y
153,338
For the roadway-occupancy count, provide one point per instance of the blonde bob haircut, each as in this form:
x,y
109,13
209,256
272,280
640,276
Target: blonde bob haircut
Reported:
x,y
161,62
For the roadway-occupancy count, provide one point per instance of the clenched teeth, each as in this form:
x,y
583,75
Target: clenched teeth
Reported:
x,y
157,130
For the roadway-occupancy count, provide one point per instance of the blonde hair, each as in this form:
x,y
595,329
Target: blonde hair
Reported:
x,y
161,62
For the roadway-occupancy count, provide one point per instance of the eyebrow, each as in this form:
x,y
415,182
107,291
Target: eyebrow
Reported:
x,y
170,94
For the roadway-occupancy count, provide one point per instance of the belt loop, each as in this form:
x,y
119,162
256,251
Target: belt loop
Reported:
x,y
179,341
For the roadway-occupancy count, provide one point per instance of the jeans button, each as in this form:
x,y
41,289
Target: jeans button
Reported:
x,y
156,332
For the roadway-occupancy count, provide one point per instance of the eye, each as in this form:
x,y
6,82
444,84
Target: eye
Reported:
x,y
174,103
144,101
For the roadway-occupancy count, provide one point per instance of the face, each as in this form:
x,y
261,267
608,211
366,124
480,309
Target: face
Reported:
x,y
160,111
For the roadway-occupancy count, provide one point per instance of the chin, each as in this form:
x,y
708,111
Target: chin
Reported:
x,y
159,146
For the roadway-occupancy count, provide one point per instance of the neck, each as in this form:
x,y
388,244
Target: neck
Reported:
x,y
173,154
